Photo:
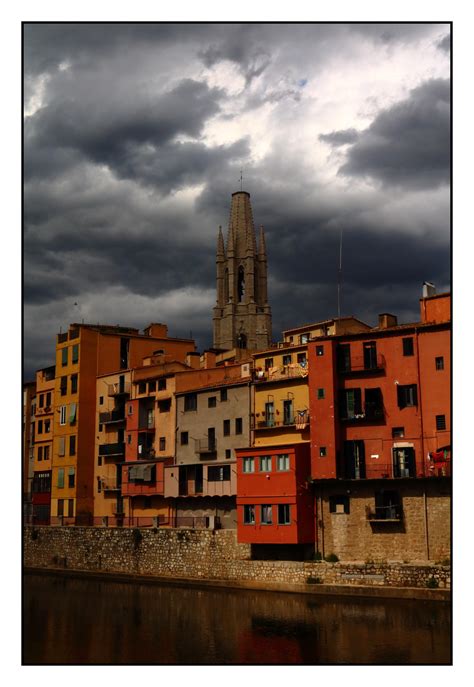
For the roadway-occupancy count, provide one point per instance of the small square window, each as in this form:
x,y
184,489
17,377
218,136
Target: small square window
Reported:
x,y
339,503
248,464
265,463
151,387
162,443
408,346
287,360
142,388
190,402
398,432
165,405
439,363
228,453
283,462
322,452
284,514
101,400
162,384
226,428
268,363
441,422
212,401
238,425
249,515
130,409
184,438
301,359
266,514
320,394
99,461
129,438
319,350
223,394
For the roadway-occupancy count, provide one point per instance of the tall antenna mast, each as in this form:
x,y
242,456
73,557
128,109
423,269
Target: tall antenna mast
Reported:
x,y
339,278
241,180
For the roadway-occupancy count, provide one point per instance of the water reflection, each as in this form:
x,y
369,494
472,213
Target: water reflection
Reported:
x,y
89,622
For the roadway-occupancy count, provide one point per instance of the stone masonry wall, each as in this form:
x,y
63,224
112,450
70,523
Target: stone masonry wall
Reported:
x,y
181,553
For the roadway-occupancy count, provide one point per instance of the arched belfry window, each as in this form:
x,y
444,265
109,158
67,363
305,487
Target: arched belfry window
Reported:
x,y
241,284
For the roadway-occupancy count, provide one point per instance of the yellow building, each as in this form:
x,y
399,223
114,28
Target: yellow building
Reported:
x,y
43,445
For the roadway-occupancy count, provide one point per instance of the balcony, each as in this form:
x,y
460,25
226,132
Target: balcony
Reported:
x,y
118,389
43,411
300,420
108,484
205,446
117,449
277,374
147,424
369,414
360,366
112,416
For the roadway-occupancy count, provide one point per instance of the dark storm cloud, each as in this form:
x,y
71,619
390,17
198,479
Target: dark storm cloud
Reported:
x,y
393,33
408,144
340,138
445,44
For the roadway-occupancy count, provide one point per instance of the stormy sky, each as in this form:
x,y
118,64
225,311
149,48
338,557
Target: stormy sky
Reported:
x,y
134,138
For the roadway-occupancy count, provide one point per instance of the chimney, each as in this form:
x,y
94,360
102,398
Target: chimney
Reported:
x,y
387,320
157,330
193,359
208,360
429,289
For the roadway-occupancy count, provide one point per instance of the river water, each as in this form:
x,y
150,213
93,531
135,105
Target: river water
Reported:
x,y
81,621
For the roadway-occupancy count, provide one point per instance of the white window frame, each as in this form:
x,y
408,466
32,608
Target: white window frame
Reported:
x,y
62,415
248,464
280,457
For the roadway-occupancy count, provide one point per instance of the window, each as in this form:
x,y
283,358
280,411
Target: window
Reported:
x,y
71,478
404,462
70,508
211,438
339,503
408,346
212,401
72,445
40,426
101,427
238,425
101,400
48,399
129,438
72,413
226,428
350,403
142,387
162,443
301,359
439,363
151,387
370,355
60,507
249,515
165,405
269,414
283,462
343,356
304,338
319,350
61,446
320,394
46,453
223,394
162,384
265,464
284,514
124,348
64,357
287,359
47,426
398,432
190,402
228,453
440,422
63,386
322,452
75,353
61,478
266,514
387,505
407,395
99,461
62,415
184,438
73,384
218,473
248,464
40,453
288,416
268,363
41,400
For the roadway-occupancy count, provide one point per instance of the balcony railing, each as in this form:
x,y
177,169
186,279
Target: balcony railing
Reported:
x,y
393,471
300,421
110,484
368,414
117,449
112,416
118,389
276,374
206,445
361,365
43,411
392,513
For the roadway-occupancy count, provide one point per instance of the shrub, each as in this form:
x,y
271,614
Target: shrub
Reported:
x,y
331,558
432,583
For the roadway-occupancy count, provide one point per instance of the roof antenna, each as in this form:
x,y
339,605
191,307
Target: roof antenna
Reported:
x,y
241,180
339,278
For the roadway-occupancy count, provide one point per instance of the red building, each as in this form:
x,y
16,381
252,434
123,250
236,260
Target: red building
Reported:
x,y
274,496
380,401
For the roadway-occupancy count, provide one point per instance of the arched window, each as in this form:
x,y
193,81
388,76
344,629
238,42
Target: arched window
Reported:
x,y
241,284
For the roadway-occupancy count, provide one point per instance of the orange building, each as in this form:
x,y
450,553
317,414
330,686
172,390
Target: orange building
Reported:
x,y
43,445
82,354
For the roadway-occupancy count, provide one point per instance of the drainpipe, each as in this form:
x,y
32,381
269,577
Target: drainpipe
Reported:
x,y
420,403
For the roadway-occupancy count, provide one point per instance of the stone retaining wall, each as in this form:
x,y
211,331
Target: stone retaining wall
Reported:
x,y
205,554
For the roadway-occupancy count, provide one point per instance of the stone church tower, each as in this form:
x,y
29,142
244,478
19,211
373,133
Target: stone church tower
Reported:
x,y
242,315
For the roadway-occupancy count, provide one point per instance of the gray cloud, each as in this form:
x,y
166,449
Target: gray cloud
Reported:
x,y
340,138
408,144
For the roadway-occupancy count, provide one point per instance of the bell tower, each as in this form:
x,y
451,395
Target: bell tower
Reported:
x,y
242,316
